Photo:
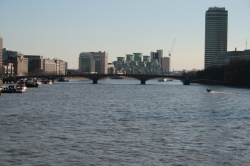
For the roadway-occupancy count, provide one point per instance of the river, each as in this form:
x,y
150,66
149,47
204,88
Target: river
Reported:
x,y
121,122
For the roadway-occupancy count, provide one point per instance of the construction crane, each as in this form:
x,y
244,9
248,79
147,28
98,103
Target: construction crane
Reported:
x,y
170,52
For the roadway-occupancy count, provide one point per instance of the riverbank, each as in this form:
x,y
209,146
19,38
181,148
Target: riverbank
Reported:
x,y
246,86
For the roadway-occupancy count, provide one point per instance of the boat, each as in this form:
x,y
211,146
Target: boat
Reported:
x,y
21,88
46,81
31,83
63,79
22,81
21,85
8,89
37,81
162,80
209,90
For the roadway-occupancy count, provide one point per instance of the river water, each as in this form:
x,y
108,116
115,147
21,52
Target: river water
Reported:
x,y
120,122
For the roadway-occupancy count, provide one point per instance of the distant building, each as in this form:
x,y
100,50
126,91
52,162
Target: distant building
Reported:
x,y
1,57
72,71
35,63
20,65
137,57
129,57
111,68
154,55
94,62
8,70
216,26
122,59
9,53
60,67
49,66
146,58
66,66
86,62
166,63
224,58
160,56
101,62
157,55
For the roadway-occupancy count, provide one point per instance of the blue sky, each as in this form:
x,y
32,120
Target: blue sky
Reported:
x,y
65,28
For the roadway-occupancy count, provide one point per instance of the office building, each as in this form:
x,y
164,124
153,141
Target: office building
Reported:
x,y
101,62
93,62
137,57
1,57
9,53
221,59
8,70
158,55
86,62
122,59
20,65
153,55
215,33
146,58
129,57
60,67
111,68
165,61
49,66
35,64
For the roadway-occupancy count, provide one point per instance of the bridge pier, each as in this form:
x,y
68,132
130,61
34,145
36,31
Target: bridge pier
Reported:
x,y
95,79
143,80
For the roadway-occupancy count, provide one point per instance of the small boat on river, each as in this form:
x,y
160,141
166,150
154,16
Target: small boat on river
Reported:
x,y
46,81
209,90
162,80
21,88
8,89
31,83
62,79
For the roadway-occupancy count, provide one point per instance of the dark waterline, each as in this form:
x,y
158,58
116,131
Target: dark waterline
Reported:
x,y
120,122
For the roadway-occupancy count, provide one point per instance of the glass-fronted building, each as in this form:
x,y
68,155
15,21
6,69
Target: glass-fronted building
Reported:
x,y
129,57
86,62
215,33
137,57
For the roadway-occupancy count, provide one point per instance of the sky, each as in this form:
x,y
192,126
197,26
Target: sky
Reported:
x,y
64,28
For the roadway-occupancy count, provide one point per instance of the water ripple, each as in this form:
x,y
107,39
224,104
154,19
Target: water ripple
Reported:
x,y
119,122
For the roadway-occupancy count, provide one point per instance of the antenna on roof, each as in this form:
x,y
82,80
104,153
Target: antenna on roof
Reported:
x,y
246,43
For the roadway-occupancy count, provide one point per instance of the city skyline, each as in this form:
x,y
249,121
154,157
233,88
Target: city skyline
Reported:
x,y
62,29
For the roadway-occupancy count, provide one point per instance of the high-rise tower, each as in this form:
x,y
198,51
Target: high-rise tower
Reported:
x,y
215,33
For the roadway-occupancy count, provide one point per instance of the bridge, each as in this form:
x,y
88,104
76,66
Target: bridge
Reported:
x,y
95,77
141,77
